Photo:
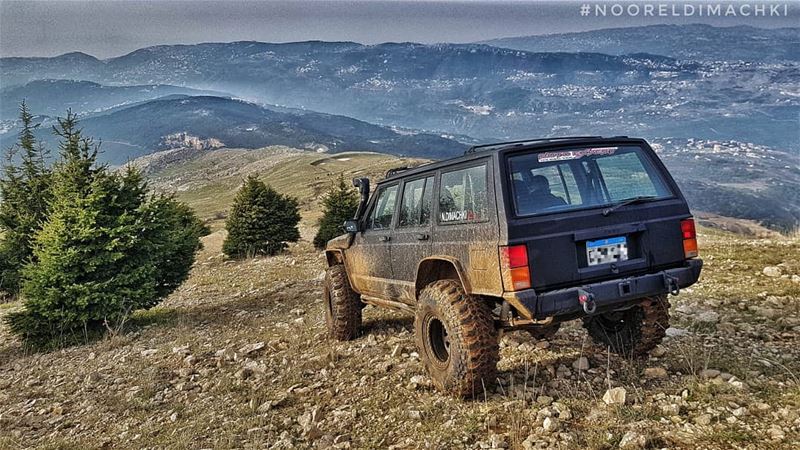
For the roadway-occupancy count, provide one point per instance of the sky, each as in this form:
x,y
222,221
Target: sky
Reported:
x,y
107,28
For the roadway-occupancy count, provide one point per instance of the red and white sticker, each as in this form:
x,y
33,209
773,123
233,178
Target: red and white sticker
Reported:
x,y
576,154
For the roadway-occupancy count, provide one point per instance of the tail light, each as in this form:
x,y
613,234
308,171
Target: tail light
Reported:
x,y
514,263
689,238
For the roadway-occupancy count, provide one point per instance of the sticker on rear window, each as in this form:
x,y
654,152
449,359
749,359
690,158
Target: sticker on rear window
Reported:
x,y
575,154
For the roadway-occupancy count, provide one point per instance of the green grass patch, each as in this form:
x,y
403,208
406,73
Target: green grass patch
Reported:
x,y
154,316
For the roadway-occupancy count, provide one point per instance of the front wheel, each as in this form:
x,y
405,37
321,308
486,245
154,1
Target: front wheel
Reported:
x,y
631,332
457,339
342,305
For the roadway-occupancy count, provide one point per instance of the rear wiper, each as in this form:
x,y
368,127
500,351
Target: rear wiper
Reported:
x,y
630,201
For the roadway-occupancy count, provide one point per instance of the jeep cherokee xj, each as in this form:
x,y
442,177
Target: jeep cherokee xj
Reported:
x,y
516,236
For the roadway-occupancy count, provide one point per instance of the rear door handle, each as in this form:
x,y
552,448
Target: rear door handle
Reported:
x,y
384,238
421,237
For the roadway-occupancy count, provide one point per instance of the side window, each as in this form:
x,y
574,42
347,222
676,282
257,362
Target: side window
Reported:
x,y
462,196
415,206
382,213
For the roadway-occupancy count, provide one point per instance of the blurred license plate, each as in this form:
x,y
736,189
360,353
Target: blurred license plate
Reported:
x,y
604,251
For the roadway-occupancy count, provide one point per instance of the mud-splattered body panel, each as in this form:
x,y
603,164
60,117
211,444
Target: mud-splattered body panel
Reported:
x,y
444,220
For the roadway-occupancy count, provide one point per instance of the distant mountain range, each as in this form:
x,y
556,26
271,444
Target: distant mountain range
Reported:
x,y
54,97
696,42
211,122
724,102
484,91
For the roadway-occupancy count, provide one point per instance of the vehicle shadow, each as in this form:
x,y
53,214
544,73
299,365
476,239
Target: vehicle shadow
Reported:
x,y
220,311
382,324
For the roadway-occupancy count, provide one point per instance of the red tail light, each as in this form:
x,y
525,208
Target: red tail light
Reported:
x,y
689,238
516,273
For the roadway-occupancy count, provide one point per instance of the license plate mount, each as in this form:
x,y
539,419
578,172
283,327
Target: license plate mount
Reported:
x,y
607,251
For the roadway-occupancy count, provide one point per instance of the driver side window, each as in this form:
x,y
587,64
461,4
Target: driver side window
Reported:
x,y
383,211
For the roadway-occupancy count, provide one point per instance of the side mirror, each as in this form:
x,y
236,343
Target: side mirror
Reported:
x,y
351,226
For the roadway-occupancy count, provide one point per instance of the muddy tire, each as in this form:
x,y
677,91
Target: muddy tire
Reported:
x,y
342,305
544,333
457,339
633,332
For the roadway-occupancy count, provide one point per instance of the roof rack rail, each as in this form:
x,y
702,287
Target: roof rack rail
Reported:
x,y
475,148
395,171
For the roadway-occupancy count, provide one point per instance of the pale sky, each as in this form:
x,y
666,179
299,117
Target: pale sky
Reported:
x,y
107,28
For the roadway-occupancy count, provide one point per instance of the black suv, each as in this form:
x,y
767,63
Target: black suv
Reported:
x,y
521,235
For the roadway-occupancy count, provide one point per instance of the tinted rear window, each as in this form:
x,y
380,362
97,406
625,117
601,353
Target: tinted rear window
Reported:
x,y
563,180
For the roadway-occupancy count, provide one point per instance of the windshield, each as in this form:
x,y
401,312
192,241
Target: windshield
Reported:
x,y
585,177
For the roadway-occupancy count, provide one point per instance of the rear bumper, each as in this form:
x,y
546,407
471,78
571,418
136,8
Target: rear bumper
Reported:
x,y
606,294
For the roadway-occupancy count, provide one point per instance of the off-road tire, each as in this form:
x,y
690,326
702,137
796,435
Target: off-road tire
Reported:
x,y
633,332
457,339
543,333
342,305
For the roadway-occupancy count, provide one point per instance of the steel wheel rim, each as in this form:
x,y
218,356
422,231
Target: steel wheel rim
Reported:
x,y
437,341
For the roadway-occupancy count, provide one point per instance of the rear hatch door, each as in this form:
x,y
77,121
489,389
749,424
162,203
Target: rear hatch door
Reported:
x,y
592,212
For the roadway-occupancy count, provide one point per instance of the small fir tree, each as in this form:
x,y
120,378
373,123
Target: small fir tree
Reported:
x,y
172,236
340,205
24,196
105,250
261,221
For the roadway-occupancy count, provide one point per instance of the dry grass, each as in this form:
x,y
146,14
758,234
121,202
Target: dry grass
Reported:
x,y
362,395
208,181
179,377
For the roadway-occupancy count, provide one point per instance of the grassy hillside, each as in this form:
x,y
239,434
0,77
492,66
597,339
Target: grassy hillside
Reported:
x,y
238,356
208,180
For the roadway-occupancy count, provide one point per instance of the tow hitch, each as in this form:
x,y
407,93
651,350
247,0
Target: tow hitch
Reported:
x,y
671,283
586,299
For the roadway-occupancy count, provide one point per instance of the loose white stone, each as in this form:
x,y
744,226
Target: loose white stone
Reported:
x,y
615,396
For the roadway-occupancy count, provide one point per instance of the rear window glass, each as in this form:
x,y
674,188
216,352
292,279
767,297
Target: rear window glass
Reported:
x,y
462,196
583,177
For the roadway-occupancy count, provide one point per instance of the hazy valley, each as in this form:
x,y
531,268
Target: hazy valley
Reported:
x,y
722,103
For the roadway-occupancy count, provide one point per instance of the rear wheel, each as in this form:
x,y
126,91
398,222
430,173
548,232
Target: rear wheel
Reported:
x,y
342,305
457,339
632,332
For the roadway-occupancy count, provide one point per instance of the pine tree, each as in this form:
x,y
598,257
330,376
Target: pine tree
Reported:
x,y
261,221
105,250
340,205
24,196
172,237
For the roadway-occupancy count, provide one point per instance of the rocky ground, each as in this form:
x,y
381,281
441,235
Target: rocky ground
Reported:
x,y
238,357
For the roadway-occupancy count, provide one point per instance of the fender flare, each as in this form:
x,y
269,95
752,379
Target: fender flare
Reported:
x,y
334,257
421,280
